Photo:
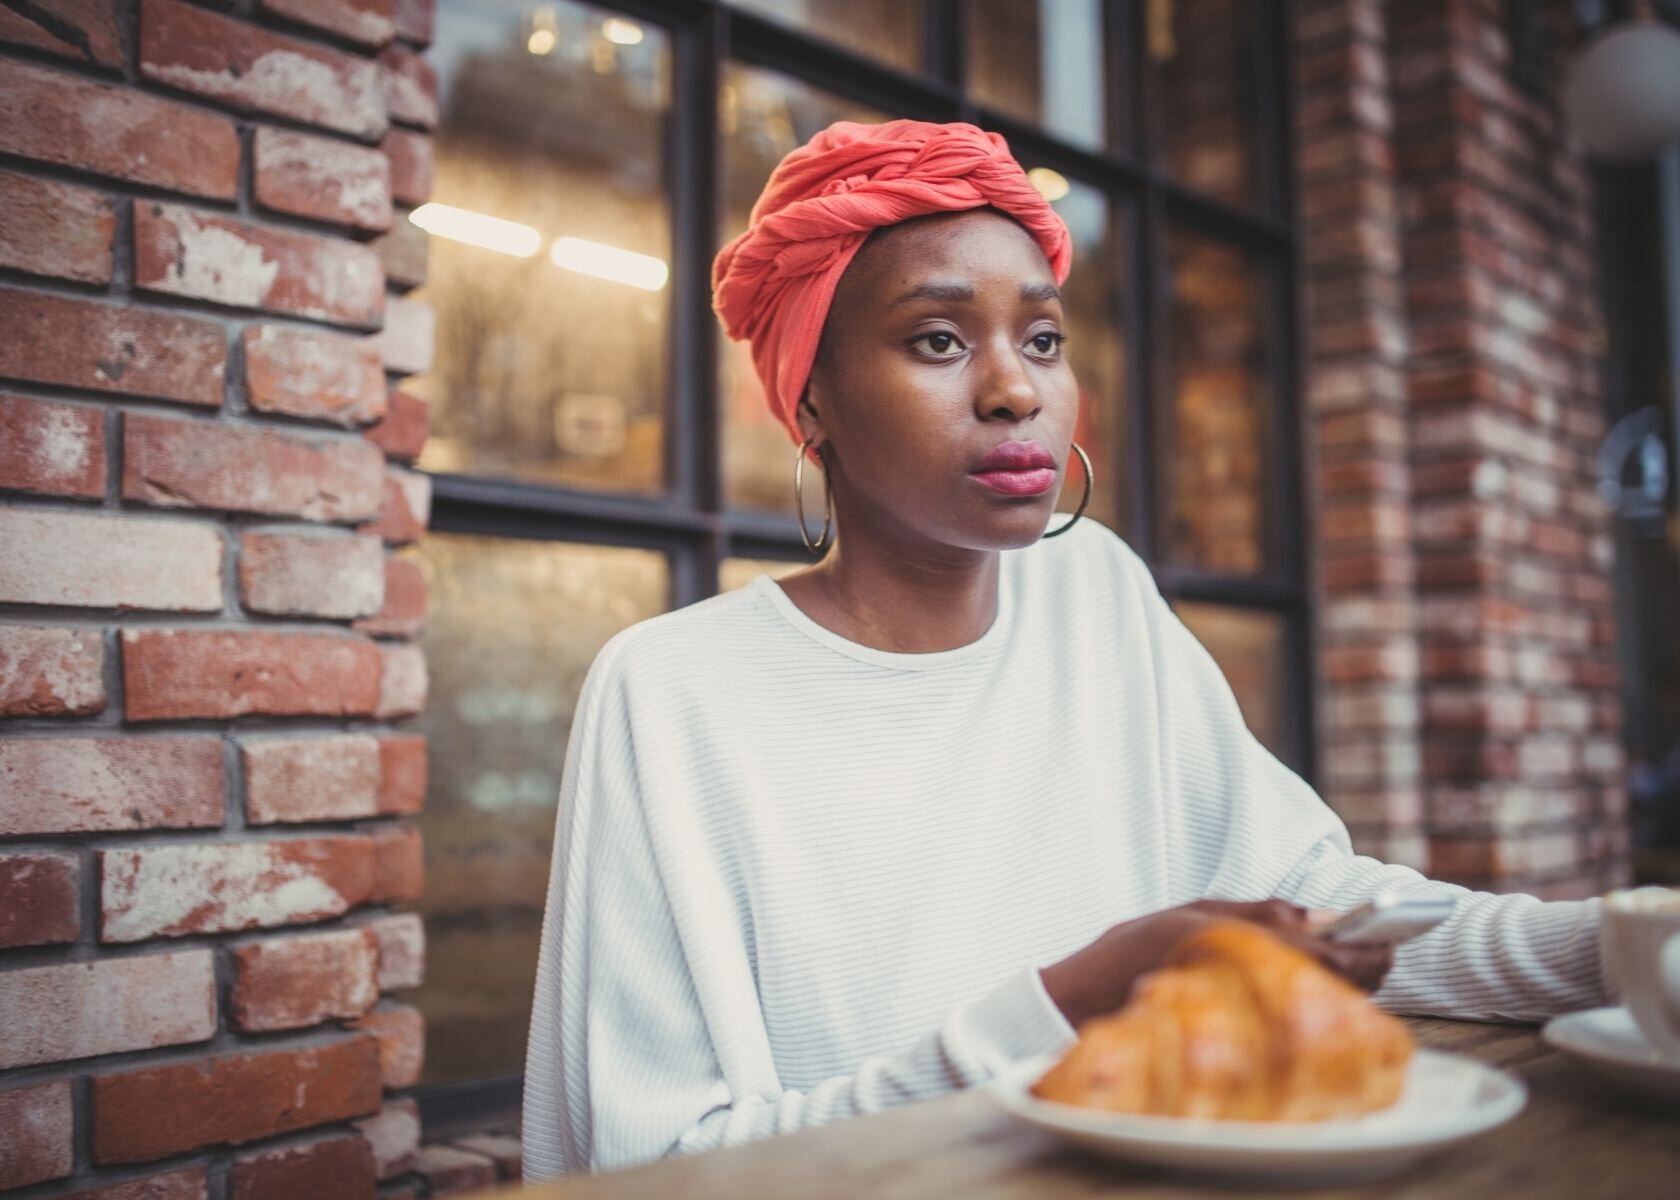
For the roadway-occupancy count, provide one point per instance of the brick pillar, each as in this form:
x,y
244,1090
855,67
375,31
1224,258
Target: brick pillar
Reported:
x,y
204,662
1357,428
1464,551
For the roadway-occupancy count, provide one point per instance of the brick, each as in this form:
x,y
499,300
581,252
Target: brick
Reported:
x,y
404,250
404,610
190,1184
447,1170
36,1127
200,464
176,889
337,1167
109,560
112,1006
405,343
84,30
294,982
402,682
403,432
402,950
118,131
508,1153
307,373
110,348
153,1112
405,507
410,87
333,778
402,773
179,674
399,862
394,1136
57,449
55,229
323,178
366,22
38,904
47,672
250,68
92,784
401,1031
415,20
412,168
311,574
202,255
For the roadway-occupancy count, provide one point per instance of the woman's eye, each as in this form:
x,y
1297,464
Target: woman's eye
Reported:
x,y
941,344
1048,343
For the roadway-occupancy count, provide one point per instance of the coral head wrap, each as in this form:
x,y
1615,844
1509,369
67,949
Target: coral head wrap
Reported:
x,y
774,283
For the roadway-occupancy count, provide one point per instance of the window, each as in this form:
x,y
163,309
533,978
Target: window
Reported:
x,y
601,453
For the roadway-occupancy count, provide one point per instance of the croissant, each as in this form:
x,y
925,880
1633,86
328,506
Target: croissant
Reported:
x,y
1238,1026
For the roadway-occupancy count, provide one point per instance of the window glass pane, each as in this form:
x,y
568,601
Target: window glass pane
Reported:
x,y
890,30
1222,405
1249,648
512,629
738,572
1095,345
1042,61
550,245
1207,98
764,116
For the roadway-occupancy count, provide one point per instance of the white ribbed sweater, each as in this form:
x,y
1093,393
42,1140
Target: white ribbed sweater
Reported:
x,y
796,878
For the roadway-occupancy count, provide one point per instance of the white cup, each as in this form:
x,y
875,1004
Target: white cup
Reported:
x,y
1641,931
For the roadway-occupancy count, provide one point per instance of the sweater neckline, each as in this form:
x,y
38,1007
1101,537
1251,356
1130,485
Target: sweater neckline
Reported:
x,y
896,659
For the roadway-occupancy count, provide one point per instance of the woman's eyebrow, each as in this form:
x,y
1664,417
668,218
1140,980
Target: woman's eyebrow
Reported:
x,y
962,293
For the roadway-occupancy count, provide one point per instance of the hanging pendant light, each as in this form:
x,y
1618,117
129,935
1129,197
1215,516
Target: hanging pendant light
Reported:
x,y
1622,92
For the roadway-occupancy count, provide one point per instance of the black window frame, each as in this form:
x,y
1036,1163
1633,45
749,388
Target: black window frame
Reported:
x,y
691,523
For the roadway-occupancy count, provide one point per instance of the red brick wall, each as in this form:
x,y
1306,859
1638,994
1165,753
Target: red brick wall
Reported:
x,y
1468,705
204,663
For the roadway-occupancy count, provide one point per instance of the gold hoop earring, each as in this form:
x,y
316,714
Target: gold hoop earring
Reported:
x,y
1084,500
799,501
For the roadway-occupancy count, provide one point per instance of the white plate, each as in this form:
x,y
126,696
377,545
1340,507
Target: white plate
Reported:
x,y
1607,1041
1447,1099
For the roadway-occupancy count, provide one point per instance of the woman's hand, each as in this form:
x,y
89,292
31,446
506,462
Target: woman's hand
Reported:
x,y
1099,978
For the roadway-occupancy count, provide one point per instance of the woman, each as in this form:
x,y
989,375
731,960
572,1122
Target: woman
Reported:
x,y
858,838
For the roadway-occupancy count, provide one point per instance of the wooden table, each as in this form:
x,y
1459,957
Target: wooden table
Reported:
x,y
1578,1139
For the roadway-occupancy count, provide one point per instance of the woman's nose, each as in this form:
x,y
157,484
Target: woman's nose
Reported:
x,y
1008,391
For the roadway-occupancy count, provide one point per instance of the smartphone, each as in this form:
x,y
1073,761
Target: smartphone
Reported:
x,y
1390,919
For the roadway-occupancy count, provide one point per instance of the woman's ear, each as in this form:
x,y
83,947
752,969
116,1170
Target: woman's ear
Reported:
x,y
810,421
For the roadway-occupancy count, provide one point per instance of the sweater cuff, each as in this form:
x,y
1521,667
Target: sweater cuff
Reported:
x,y
1017,1020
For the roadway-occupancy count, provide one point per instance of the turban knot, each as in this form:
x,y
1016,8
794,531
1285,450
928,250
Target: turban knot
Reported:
x,y
772,285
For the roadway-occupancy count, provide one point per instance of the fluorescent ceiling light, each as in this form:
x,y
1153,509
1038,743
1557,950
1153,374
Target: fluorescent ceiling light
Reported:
x,y
609,262
478,229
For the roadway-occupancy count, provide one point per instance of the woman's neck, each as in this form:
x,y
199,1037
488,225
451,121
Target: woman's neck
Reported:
x,y
900,602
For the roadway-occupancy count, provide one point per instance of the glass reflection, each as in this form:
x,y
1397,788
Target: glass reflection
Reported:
x,y
1041,61
1202,58
1221,362
764,116
1249,648
889,30
550,246
505,675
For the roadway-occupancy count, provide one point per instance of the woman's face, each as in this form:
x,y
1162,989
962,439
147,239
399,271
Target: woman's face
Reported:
x,y
943,344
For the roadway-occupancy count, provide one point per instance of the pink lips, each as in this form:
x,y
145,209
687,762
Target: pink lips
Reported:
x,y
1017,469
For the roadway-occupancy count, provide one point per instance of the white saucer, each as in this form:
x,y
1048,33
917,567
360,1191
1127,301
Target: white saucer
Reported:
x,y
1607,1041
1447,1099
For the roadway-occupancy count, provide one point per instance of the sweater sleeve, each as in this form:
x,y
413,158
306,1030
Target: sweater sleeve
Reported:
x,y
622,1062
1263,832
